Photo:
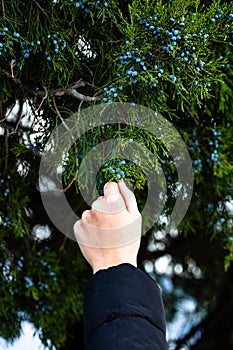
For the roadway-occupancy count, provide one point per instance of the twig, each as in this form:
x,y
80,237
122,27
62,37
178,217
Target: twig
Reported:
x,y
62,120
7,150
4,119
41,8
62,247
3,8
12,71
19,117
16,80
71,183
37,110
75,94
70,90
79,110
191,114
42,101
68,186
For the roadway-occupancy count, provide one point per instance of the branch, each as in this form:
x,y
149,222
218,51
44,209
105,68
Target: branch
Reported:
x,y
191,114
7,150
15,80
60,117
40,105
70,90
3,8
41,8
81,97
182,341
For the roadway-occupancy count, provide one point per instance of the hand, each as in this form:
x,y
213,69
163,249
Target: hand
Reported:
x,y
109,234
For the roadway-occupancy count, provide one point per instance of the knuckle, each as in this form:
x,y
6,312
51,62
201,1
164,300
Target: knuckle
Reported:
x,y
86,215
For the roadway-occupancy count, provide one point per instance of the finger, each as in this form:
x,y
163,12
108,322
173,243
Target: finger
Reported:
x,y
128,197
112,201
111,192
86,216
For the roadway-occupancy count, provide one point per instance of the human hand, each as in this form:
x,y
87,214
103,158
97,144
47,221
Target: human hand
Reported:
x,y
109,234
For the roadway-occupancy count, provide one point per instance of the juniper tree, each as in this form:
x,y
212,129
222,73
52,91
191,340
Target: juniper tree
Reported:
x,y
58,58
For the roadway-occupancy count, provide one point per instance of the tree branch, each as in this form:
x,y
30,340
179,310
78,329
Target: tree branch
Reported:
x,y
81,97
3,8
191,114
15,80
41,8
70,90
184,340
60,117
7,150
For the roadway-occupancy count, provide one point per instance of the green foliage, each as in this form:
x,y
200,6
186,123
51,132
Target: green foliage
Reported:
x,y
172,57
13,210
56,59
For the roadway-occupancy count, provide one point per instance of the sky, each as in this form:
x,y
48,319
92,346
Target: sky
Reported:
x,y
26,341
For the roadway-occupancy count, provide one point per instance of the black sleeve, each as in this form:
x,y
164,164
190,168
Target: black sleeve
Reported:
x,y
123,310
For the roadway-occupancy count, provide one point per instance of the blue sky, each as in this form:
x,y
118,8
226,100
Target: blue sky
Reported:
x,y
26,342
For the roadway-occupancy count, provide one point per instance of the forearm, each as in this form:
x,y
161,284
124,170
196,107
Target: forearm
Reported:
x,y
121,304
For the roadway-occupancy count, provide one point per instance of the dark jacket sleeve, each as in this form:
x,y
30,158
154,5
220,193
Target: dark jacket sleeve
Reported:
x,y
123,310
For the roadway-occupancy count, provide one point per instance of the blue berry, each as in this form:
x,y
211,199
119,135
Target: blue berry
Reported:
x,y
172,77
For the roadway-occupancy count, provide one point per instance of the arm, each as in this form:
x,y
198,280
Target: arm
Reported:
x,y
123,310
123,307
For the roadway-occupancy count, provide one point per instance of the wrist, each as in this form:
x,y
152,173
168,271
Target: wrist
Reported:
x,y
107,264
